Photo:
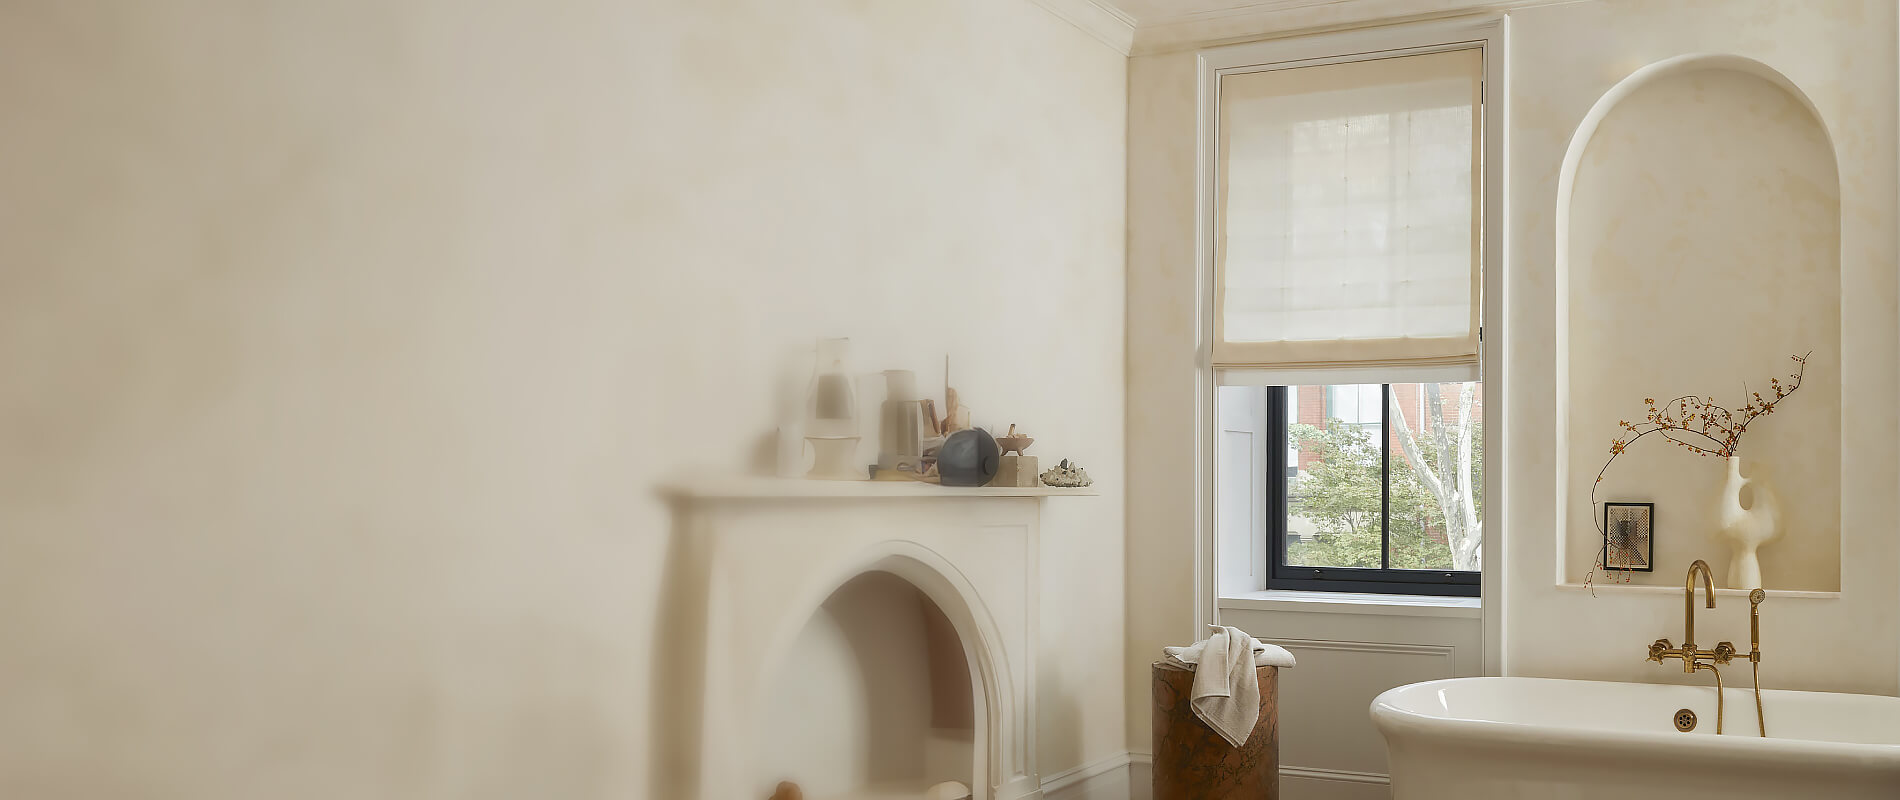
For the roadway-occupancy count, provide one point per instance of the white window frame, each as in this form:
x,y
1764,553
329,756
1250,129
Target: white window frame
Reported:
x,y
1488,32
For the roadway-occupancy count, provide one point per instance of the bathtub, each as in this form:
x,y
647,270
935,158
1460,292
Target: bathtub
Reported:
x,y
1498,738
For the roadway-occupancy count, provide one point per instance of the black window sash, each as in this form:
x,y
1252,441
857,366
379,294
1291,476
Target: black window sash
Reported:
x,y
1452,583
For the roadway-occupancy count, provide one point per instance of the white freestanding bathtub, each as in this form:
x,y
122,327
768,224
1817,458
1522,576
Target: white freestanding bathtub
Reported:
x,y
1510,738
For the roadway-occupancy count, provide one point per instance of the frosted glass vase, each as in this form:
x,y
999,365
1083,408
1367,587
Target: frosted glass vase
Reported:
x,y
831,415
1746,528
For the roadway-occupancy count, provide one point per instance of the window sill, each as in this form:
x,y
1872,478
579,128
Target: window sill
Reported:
x,y
1391,605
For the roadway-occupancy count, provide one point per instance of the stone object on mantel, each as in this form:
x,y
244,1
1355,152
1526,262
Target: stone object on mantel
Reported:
x,y
1067,475
1018,471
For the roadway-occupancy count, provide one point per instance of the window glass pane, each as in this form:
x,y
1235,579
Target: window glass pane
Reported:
x,y
1437,476
1356,404
1333,509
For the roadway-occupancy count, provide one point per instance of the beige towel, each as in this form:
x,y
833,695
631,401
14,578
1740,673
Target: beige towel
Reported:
x,y
1226,694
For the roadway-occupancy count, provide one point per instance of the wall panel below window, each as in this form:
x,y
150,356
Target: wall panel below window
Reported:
x,y
1328,747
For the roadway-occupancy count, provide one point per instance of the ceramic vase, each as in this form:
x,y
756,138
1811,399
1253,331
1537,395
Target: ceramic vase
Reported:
x,y
1746,528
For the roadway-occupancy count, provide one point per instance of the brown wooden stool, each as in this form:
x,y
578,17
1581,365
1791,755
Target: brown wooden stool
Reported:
x,y
1192,762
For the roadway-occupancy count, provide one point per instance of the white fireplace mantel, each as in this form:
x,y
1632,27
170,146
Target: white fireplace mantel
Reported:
x,y
754,558
768,488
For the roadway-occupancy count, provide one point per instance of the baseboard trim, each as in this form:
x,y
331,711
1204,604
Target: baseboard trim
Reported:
x,y
1129,775
1340,775
1141,782
1076,776
1102,779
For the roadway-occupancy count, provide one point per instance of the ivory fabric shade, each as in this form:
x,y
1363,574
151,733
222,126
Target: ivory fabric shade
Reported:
x,y
1348,213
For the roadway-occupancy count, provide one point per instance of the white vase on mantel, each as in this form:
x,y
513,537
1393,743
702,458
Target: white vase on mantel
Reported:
x,y
1746,529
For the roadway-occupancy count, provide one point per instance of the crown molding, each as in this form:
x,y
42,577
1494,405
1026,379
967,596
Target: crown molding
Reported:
x,y
1254,9
1107,24
1275,18
1264,19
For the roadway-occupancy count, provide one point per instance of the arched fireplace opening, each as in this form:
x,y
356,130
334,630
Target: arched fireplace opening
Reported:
x,y
874,698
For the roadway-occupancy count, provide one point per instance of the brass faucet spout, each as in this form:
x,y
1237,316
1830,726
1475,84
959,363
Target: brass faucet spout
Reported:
x,y
1708,583
1688,601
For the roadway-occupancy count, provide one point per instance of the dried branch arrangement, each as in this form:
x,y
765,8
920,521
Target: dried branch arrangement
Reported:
x,y
1697,424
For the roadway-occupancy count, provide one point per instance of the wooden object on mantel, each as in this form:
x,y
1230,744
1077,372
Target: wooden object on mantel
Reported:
x,y
1192,762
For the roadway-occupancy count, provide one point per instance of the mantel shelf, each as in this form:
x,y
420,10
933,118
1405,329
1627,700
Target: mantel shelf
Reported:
x,y
742,488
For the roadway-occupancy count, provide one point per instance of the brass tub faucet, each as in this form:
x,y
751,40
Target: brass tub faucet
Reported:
x,y
1695,660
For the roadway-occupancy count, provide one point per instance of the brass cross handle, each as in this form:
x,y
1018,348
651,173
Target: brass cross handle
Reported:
x,y
1724,652
1658,648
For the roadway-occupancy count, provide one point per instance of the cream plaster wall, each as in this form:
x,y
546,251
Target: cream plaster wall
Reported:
x,y
1564,58
1161,377
1704,249
345,342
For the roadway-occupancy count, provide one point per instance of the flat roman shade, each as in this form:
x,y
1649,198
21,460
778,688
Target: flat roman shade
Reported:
x,y
1348,221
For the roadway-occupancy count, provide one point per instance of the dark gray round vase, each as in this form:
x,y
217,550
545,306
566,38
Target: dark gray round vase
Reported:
x,y
968,458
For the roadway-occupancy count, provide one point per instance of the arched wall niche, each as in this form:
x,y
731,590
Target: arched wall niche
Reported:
x,y
1698,239
911,736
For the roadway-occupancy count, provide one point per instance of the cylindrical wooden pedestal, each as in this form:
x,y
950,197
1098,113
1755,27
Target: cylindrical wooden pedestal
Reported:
x,y
1192,762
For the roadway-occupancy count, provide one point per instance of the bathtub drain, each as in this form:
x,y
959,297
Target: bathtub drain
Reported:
x,y
1685,720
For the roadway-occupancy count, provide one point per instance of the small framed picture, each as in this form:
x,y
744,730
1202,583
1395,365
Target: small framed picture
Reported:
x,y
1628,530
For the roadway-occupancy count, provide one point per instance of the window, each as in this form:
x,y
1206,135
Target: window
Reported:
x,y
1346,235
1392,504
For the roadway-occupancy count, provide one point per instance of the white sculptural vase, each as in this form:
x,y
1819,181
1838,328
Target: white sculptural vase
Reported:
x,y
1746,529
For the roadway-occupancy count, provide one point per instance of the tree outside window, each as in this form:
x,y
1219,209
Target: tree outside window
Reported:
x,y
1336,494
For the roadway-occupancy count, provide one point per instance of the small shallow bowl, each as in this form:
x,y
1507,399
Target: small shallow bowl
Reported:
x,y
1014,444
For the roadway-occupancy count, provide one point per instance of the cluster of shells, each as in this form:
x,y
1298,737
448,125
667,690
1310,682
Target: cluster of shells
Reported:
x,y
1066,475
